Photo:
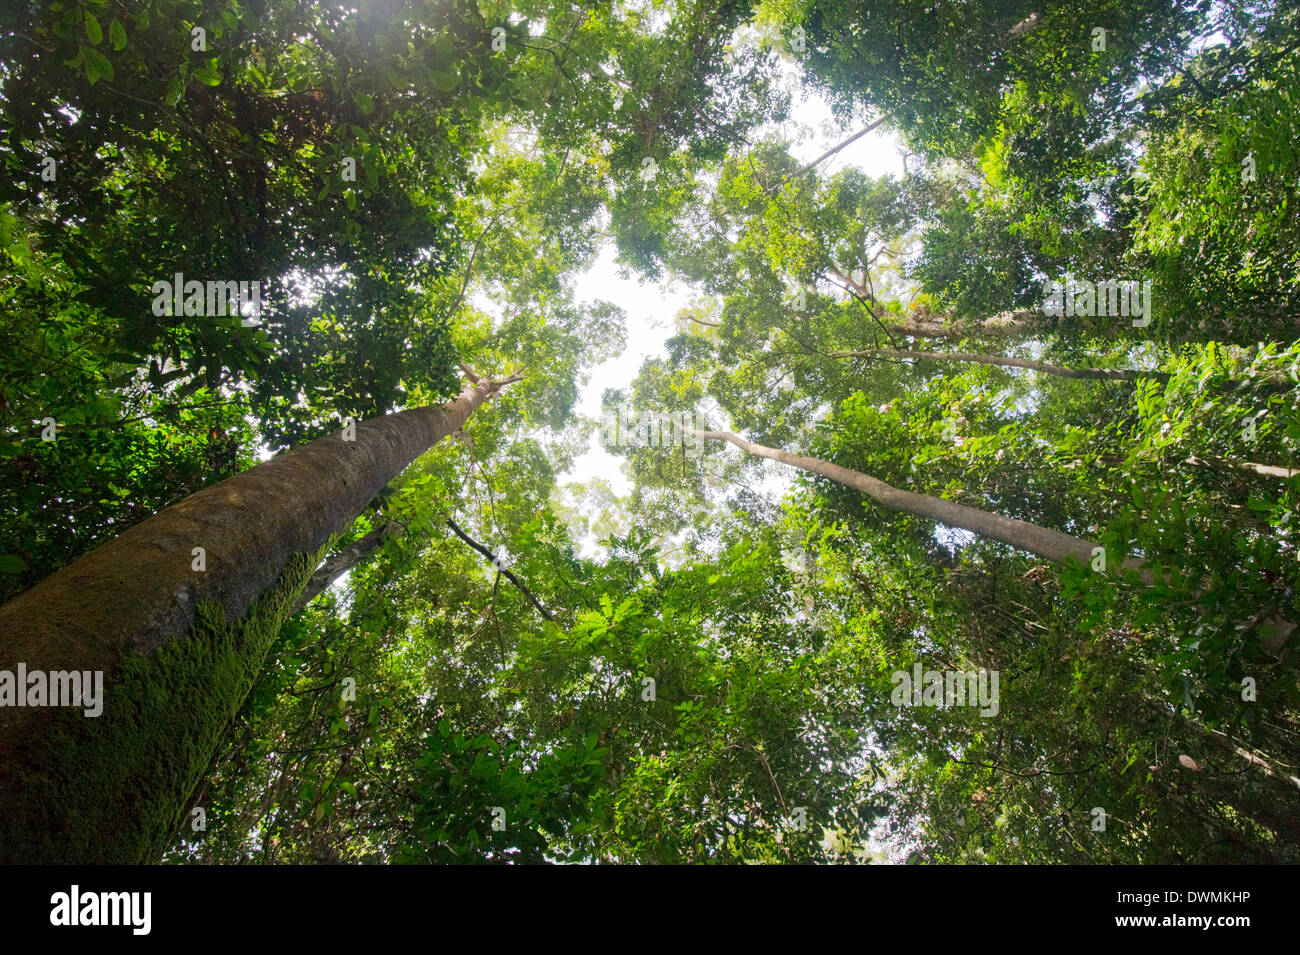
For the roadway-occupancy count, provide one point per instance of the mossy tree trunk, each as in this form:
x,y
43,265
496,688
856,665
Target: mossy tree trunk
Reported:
x,y
179,647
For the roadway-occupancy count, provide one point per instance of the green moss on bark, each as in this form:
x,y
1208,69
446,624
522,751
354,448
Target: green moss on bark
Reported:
x,y
113,788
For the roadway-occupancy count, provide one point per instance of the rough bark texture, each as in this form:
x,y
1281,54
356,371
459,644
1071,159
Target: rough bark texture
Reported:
x,y
179,648
1101,374
1041,541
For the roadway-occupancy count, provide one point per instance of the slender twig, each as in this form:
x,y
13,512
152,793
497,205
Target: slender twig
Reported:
x,y
497,564
834,149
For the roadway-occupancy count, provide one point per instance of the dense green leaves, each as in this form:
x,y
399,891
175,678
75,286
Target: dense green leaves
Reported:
x,y
702,670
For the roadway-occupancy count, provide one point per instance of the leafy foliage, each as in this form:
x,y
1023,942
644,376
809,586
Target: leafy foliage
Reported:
x,y
703,670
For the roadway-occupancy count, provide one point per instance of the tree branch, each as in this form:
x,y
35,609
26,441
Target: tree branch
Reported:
x,y
500,569
1104,374
1041,541
834,149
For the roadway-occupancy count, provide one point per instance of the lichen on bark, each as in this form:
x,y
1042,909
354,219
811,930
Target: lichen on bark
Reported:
x,y
113,788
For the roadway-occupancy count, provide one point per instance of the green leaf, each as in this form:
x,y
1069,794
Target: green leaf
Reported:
x,y
206,74
93,29
97,65
12,564
175,87
117,34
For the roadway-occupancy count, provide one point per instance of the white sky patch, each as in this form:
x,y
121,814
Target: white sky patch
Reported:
x,y
652,306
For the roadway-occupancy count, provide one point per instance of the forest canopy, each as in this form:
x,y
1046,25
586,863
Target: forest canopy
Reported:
x,y
955,519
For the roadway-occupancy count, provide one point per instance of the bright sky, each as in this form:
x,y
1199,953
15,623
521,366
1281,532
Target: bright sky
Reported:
x,y
652,306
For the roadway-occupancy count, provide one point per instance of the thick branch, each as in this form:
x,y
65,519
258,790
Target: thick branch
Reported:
x,y
1105,374
853,284
1041,541
1260,470
197,584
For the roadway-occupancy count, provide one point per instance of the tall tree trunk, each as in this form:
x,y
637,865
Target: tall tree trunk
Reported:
x,y
1041,541
1103,374
178,647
